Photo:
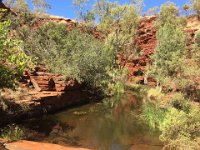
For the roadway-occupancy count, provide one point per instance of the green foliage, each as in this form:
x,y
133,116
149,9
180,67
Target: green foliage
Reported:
x,y
196,50
115,83
169,13
71,53
187,81
7,77
154,94
178,119
11,133
171,54
152,115
181,130
186,7
168,58
13,60
119,23
24,5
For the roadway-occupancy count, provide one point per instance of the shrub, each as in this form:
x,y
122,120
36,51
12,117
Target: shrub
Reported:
x,y
12,133
180,130
152,115
115,82
171,54
169,13
13,59
71,53
168,58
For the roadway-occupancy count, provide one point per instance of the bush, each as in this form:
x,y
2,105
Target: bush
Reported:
x,y
180,130
169,13
7,77
12,133
13,59
152,115
71,53
168,58
115,82
178,121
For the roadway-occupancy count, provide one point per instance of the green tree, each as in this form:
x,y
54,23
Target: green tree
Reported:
x,y
171,54
71,53
80,4
170,50
169,13
23,5
168,58
119,23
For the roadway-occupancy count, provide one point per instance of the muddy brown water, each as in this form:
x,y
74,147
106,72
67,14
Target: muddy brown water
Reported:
x,y
113,124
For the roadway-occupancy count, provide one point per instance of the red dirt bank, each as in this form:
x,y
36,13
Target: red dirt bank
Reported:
x,y
27,145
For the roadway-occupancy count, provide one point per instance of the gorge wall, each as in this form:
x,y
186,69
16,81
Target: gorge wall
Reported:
x,y
146,41
52,92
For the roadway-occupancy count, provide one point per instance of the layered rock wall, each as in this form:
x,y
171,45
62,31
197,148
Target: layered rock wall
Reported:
x,y
146,42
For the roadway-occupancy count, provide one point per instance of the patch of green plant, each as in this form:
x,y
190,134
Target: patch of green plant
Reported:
x,y
152,115
180,130
178,119
12,133
7,77
13,59
115,83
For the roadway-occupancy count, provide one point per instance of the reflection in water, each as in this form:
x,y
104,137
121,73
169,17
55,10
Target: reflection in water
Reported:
x,y
110,125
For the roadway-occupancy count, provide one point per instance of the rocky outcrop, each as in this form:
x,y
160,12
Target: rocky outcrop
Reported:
x,y
42,80
28,103
41,92
42,19
146,42
146,36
